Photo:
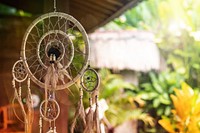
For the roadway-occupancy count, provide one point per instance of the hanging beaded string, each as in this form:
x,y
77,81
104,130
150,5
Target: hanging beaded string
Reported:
x,y
52,129
46,111
40,123
50,110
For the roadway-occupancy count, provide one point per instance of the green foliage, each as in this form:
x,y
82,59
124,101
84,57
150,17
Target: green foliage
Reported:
x,y
176,25
120,97
156,92
7,10
112,85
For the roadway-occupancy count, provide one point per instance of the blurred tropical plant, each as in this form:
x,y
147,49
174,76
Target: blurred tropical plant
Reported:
x,y
176,25
8,10
186,112
156,91
121,100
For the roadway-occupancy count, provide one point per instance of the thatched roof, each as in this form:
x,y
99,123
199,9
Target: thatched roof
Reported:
x,y
131,50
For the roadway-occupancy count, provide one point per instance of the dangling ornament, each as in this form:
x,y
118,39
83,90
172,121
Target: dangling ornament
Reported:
x,y
54,55
80,112
90,82
49,111
19,75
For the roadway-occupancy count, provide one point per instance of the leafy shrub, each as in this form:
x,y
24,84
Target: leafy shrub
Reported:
x,y
156,91
186,112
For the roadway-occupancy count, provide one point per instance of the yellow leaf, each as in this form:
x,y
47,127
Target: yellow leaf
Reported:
x,y
165,123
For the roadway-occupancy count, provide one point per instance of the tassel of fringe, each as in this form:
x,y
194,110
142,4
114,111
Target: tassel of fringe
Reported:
x,y
89,119
96,117
80,112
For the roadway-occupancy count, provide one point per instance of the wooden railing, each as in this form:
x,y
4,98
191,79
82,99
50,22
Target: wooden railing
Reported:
x,y
8,116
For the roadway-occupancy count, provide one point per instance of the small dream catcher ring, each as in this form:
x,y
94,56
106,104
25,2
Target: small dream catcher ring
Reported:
x,y
90,80
19,72
49,110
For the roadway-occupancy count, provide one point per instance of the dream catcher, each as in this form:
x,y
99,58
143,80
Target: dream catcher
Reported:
x,y
54,55
24,101
89,82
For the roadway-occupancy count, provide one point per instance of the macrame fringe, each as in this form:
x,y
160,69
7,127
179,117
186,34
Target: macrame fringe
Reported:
x,y
80,112
89,119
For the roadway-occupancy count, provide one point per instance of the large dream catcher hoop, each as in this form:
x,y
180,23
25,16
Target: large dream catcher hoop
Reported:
x,y
61,36
54,55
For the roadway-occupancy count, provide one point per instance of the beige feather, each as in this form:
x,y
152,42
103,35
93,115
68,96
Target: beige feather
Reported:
x,y
96,117
80,112
89,119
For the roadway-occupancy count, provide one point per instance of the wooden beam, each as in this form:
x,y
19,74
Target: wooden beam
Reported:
x,y
115,2
104,4
87,10
92,6
129,5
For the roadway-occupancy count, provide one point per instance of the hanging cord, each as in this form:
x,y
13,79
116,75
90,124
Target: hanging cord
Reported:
x,y
54,128
19,99
40,123
54,5
29,103
16,97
